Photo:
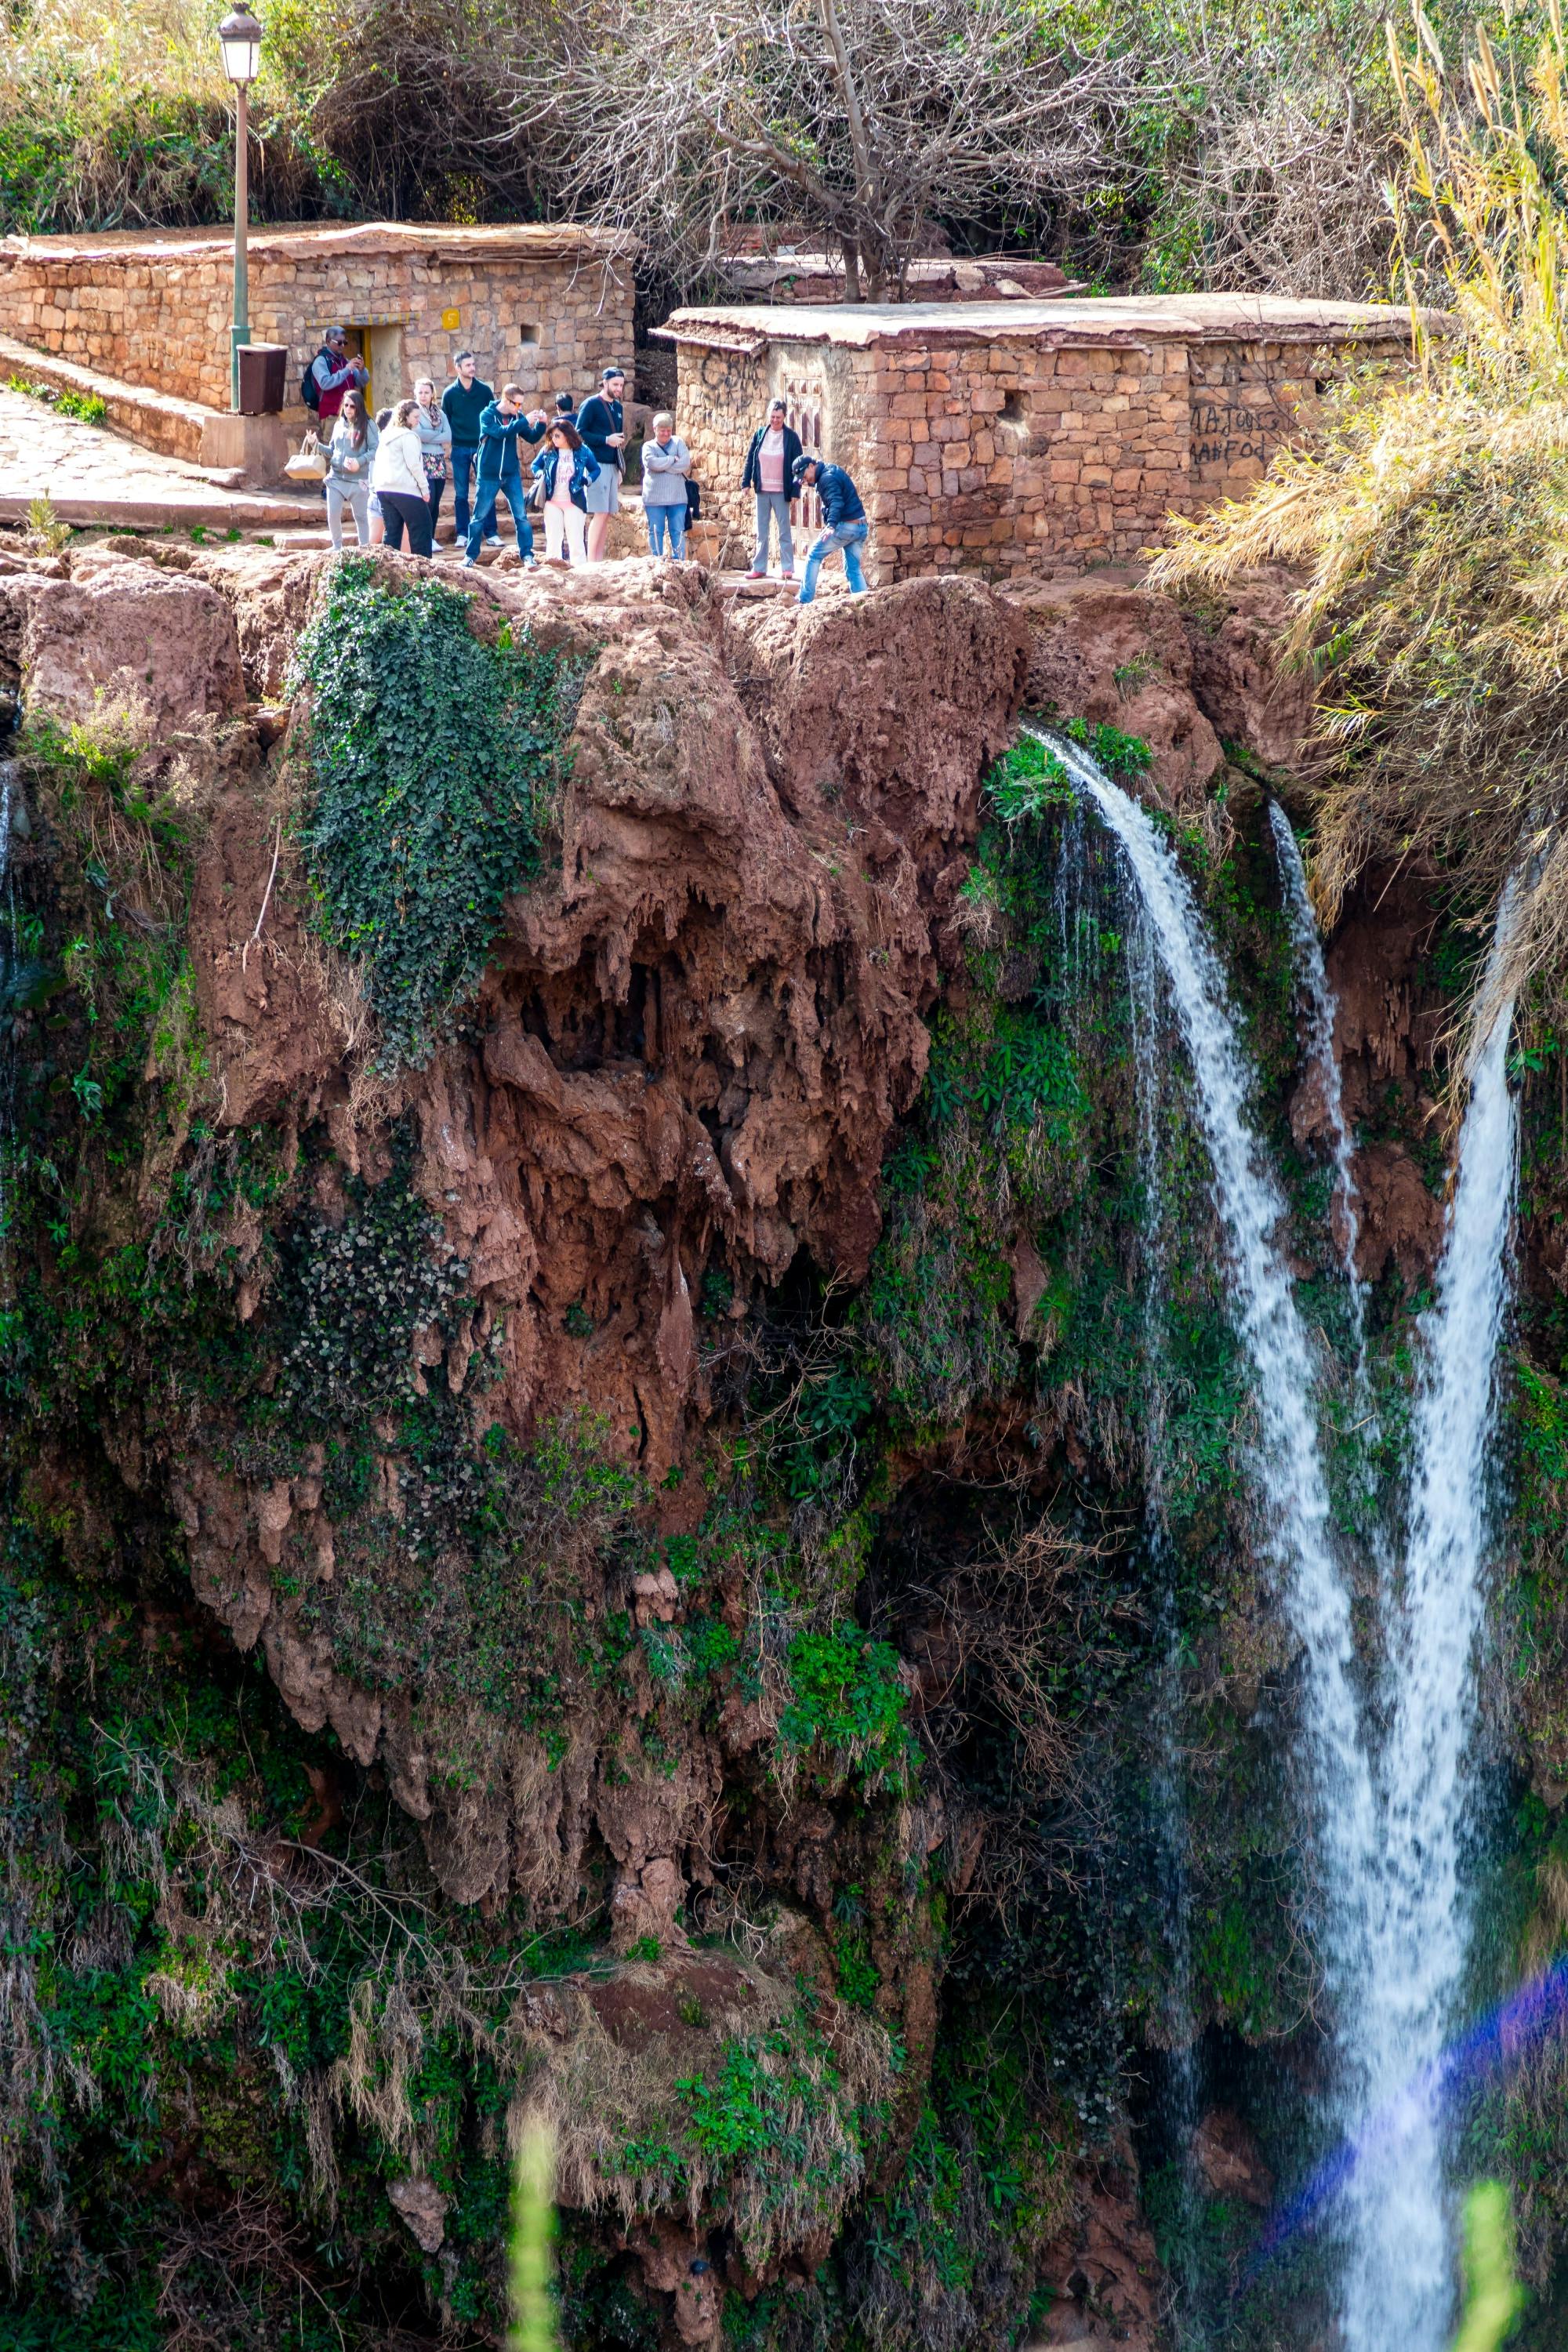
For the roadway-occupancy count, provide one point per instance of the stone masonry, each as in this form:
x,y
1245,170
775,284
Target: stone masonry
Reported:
x,y
549,306
1025,436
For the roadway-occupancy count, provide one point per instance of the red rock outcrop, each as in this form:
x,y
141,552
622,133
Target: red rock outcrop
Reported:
x,y
1251,695
694,1041
1121,656
123,630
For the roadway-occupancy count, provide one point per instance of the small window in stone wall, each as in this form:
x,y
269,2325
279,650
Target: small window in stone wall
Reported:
x,y
806,419
1015,424
527,331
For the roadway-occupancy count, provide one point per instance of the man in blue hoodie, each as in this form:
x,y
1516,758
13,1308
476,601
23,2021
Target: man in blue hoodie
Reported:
x,y
502,426
844,519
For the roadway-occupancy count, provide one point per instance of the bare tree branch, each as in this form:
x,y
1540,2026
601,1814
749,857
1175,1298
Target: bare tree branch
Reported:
x,y
689,119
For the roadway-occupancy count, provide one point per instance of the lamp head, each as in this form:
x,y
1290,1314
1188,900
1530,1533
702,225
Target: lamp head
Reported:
x,y
239,38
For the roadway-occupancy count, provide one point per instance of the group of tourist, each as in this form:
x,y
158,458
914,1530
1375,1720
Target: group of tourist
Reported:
x,y
390,472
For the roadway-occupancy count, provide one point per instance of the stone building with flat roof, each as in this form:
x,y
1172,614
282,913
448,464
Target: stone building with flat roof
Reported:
x,y
1039,437
548,305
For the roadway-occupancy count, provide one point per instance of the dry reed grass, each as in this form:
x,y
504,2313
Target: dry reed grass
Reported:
x,y
1431,519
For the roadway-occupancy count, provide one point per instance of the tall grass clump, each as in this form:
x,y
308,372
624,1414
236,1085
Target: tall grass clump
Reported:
x,y
1431,516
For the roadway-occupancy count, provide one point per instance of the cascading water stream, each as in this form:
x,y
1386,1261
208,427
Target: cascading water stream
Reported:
x,y
1389,1831
1290,1470
1167,1792
1399,2284
1309,964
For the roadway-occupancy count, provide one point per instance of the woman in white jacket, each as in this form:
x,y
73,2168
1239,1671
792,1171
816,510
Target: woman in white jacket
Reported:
x,y
398,477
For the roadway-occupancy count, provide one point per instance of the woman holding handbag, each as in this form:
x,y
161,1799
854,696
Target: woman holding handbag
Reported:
x,y
435,444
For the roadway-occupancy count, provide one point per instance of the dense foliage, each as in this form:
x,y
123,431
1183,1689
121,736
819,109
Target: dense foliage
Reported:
x,y
1225,144
433,760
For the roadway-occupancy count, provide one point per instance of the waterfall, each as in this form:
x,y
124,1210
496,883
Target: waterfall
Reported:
x,y
1168,1814
1389,1827
1289,1464
1309,951
1399,2285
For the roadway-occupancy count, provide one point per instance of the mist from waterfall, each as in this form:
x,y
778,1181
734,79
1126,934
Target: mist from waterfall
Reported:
x,y
1388,1815
1399,2282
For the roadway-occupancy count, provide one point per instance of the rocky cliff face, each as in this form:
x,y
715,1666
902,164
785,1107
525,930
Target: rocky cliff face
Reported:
x,y
558,1575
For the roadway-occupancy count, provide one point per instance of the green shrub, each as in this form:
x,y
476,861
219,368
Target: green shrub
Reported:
x,y
1027,778
846,1702
431,755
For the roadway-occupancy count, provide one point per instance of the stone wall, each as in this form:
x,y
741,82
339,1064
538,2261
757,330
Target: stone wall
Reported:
x,y
1039,449
548,306
1249,398
1002,457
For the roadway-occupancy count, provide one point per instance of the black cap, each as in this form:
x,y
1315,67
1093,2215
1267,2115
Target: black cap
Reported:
x,y
614,368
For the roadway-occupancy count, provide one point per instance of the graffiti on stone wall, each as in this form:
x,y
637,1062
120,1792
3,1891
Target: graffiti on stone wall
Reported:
x,y
1231,427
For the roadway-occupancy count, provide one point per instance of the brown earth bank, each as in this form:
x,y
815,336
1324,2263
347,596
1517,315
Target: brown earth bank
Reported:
x,y
697,1038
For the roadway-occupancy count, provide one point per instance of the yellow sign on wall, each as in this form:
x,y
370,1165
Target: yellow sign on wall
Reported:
x,y
451,320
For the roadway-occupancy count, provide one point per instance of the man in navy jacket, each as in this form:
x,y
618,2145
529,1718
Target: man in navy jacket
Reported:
x,y
845,518
602,422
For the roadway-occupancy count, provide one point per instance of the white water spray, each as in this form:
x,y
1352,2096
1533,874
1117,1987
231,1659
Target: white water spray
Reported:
x,y
1399,2282
1389,1834
1289,1466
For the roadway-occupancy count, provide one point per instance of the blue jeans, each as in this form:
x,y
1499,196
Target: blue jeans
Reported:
x,y
673,520
851,538
509,487
462,462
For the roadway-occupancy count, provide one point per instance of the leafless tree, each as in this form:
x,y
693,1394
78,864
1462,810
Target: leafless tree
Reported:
x,y
685,120
1282,178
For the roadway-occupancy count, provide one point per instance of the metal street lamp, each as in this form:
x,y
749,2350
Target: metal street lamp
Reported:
x,y
239,38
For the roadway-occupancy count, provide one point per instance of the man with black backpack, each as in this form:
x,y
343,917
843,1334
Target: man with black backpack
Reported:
x,y
330,374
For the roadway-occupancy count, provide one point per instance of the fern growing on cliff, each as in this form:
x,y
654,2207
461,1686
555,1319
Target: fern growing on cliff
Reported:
x,y
429,755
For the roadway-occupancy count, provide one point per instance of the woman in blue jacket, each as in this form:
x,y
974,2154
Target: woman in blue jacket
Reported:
x,y
502,426
566,466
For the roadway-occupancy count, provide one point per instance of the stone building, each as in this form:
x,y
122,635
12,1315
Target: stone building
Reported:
x,y
547,305
1039,437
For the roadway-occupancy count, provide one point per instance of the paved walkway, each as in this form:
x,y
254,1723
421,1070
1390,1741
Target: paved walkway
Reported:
x,y
91,476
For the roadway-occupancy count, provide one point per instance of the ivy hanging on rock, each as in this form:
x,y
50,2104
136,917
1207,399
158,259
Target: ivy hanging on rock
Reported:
x,y
431,756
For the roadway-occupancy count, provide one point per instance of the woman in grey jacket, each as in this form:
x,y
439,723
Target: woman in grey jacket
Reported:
x,y
350,453
435,443
666,465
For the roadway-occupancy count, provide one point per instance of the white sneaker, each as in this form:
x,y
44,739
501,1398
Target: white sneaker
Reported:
x,y
470,564
492,540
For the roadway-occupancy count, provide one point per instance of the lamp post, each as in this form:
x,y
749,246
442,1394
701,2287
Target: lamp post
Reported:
x,y
239,36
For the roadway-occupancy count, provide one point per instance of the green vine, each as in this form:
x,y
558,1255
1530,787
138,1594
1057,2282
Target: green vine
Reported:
x,y
432,756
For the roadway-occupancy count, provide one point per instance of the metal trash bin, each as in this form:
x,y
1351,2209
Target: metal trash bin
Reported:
x,y
263,378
